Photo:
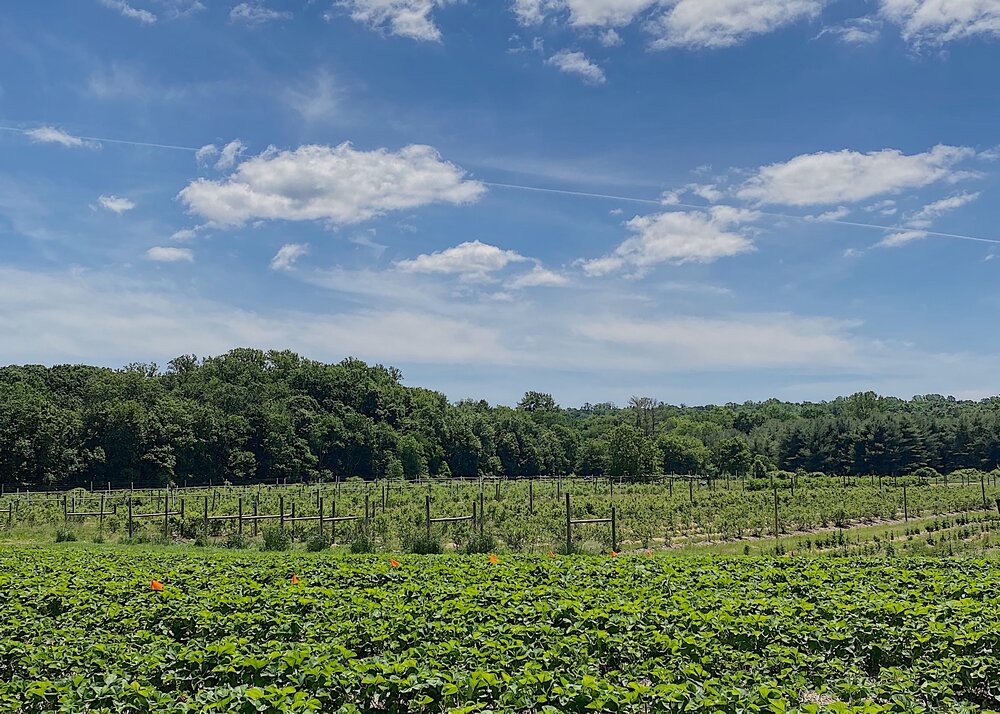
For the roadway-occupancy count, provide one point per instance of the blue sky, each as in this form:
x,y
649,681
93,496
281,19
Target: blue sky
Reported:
x,y
697,200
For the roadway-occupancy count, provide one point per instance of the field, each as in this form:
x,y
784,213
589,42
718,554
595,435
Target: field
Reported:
x,y
526,516
81,630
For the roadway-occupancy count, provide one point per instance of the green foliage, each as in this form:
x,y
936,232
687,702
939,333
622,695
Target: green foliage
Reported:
x,y
424,545
277,538
480,543
65,535
317,544
237,541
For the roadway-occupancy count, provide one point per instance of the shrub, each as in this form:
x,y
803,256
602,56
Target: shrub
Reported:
x,y
480,543
277,538
65,535
422,545
317,544
362,543
237,541
201,540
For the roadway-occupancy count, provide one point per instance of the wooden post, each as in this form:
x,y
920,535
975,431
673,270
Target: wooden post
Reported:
x,y
671,480
498,489
569,529
982,485
281,509
614,529
776,512
206,516
256,504
65,511
239,517
130,530
427,507
691,488
320,516
367,515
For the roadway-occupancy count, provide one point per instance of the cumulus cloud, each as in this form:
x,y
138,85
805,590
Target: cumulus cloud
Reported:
x,y
539,277
287,254
926,215
850,176
901,238
406,18
256,13
723,23
339,184
677,237
52,135
229,155
164,254
143,16
941,21
115,204
610,38
578,64
472,259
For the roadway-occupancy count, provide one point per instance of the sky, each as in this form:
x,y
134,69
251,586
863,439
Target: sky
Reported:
x,y
701,201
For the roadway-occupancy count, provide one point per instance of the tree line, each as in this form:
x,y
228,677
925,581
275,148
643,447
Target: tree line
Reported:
x,y
252,415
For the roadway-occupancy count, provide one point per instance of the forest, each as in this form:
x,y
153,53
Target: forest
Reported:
x,y
255,416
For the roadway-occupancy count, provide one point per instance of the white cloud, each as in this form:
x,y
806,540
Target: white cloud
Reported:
x,y
338,184
52,135
534,12
884,208
406,18
163,254
926,215
836,214
184,235
229,155
901,238
940,21
765,341
677,237
256,13
857,31
116,204
539,277
578,64
723,23
287,254
610,38
206,154
709,192
143,16
317,99
472,259
608,13
849,176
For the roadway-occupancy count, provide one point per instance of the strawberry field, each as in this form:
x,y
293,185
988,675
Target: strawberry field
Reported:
x,y
81,629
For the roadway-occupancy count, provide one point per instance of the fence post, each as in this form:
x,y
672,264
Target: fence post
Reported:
x,y
776,512
206,516
614,529
906,507
367,516
281,508
320,516
256,504
239,517
65,516
569,529
691,488
130,530
982,485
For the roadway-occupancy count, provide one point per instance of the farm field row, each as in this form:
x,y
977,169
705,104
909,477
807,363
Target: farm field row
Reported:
x,y
513,516
82,630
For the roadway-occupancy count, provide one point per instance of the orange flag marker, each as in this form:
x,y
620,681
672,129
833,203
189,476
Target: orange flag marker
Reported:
x,y
614,554
393,563
156,585
494,559
551,554
295,579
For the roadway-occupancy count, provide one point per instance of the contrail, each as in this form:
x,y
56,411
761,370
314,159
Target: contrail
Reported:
x,y
587,194
105,140
773,214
